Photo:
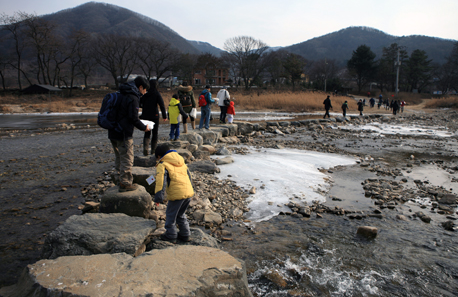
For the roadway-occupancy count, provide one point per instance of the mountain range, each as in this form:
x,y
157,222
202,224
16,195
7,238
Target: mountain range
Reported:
x,y
95,17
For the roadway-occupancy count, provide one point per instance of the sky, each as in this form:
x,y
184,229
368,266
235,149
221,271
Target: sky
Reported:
x,y
276,22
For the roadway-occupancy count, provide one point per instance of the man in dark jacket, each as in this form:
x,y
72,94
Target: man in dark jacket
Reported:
x,y
123,142
327,106
149,103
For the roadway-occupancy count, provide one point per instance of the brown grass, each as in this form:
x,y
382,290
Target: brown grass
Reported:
x,y
300,101
288,101
447,102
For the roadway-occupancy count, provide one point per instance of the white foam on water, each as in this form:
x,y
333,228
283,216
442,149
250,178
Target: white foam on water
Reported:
x,y
387,129
280,174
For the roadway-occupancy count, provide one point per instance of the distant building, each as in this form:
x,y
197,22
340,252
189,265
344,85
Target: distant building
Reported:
x,y
211,74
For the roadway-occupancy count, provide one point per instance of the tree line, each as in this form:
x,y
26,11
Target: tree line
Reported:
x,y
35,51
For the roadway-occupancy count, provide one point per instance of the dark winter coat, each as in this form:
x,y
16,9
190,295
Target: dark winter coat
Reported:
x,y
127,113
149,103
327,104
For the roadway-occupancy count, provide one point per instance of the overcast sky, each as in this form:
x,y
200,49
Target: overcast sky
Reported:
x,y
277,22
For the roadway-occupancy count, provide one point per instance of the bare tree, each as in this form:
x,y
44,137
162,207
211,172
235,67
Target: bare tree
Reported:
x,y
157,57
116,54
15,24
246,55
49,49
79,41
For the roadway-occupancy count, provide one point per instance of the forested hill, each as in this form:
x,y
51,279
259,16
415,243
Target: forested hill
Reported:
x,y
94,17
341,44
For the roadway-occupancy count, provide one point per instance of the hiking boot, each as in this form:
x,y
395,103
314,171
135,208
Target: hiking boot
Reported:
x,y
165,238
127,187
184,238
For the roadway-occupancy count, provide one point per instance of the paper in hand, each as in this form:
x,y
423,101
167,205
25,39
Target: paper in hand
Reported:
x,y
148,123
150,179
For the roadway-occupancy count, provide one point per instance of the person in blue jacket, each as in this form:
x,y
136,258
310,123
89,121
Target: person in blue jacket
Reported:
x,y
205,111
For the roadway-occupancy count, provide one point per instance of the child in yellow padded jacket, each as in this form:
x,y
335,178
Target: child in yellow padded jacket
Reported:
x,y
174,111
173,178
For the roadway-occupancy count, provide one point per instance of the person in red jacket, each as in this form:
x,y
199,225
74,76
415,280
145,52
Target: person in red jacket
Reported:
x,y
230,112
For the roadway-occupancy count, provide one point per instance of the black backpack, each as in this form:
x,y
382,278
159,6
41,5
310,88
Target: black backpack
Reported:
x,y
185,99
107,117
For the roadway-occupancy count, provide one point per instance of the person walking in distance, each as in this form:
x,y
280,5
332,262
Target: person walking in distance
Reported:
x,y
123,142
360,107
344,108
149,103
186,97
327,106
223,98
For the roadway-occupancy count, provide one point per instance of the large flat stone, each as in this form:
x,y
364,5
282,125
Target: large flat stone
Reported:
x,y
176,271
97,233
136,203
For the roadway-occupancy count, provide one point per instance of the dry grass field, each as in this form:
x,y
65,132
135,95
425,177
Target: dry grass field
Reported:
x,y
254,100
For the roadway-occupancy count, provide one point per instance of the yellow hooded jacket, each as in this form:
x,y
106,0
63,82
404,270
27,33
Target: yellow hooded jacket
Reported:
x,y
178,183
174,111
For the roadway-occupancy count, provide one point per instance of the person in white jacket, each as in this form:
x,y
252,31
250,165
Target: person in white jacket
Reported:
x,y
222,95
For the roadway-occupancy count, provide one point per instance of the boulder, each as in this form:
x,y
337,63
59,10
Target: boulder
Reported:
x,y
177,271
198,238
220,129
142,161
140,175
207,216
224,161
205,166
448,199
209,136
192,147
192,138
229,129
244,128
367,231
208,148
199,154
223,151
186,154
98,233
177,144
136,203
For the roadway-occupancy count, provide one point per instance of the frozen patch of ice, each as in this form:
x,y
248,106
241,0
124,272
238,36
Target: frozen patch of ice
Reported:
x,y
380,128
279,175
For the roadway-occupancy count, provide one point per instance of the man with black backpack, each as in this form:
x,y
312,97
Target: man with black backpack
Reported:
x,y
127,118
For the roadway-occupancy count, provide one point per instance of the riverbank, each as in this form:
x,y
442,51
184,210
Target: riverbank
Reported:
x,y
42,185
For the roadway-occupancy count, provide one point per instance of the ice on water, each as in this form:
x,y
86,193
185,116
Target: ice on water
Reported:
x,y
279,174
379,128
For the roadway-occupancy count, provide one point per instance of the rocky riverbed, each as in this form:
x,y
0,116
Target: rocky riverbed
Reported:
x,y
47,176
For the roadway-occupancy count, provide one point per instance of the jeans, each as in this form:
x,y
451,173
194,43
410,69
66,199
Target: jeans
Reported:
x,y
205,113
174,131
176,215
